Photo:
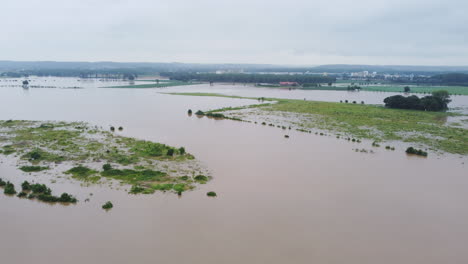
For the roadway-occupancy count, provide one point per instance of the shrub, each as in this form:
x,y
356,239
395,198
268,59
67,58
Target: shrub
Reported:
x,y
179,188
201,178
40,189
184,178
106,167
199,112
189,111
67,198
286,136
170,152
211,194
112,128
22,194
108,205
215,115
9,188
34,155
26,186
33,168
2,183
414,151
181,150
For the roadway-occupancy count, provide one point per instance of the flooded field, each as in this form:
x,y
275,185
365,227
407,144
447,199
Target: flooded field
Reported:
x,y
306,199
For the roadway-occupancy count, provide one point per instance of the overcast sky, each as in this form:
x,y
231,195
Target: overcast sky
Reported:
x,y
300,32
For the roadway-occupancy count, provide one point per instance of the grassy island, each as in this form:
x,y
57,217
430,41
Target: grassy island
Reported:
x,y
377,123
91,154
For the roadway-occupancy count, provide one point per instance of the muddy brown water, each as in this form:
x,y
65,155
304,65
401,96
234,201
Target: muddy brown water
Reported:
x,y
306,199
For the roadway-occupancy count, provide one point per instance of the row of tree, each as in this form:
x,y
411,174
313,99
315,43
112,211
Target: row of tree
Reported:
x,y
438,101
248,78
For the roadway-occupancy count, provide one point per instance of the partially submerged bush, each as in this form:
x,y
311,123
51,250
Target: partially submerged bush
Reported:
x,y
215,115
179,188
181,150
2,183
414,151
200,113
40,189
67,198
201,178
211,194
189,111
33,168
106,167
22,194
170,152
26,186
80,171
9,189
108,205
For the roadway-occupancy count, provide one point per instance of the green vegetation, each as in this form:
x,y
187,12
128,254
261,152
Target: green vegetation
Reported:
x,y
33,168
137,162
83,173
108,205
26,186
8,149
37,155
414,151
395,88
438,101
248,78
211,194
371,122
154,85
201,178
9,189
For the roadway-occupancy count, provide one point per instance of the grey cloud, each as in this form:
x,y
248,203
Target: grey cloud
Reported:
x,y
255,31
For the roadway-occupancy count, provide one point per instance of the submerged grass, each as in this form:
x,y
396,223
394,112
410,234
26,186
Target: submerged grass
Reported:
x,y
127,160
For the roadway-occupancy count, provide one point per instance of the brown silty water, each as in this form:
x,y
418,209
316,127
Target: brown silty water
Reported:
x,y
306,199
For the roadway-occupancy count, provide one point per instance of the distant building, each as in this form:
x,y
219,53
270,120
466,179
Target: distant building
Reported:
x,y
288,83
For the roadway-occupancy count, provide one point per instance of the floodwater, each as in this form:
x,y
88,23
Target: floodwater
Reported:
x,y
306,199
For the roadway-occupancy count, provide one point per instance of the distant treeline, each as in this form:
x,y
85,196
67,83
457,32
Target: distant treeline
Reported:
x,y
82,73
248,78
451,79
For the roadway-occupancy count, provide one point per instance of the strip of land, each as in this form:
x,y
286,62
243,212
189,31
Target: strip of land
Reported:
x,y
433,130
154,84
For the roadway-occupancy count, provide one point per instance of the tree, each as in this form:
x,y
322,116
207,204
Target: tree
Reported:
x,y
407,89
438,101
